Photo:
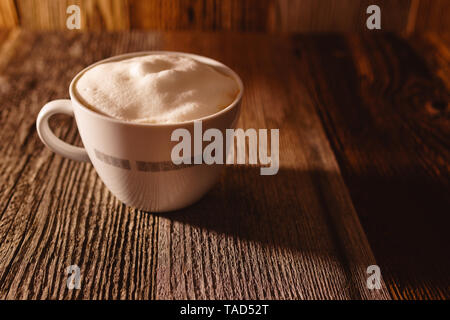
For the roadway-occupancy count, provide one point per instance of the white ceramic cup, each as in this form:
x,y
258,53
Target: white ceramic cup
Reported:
x,y
134,159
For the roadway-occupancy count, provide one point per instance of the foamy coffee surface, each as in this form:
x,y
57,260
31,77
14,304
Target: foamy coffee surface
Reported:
x,y
156,89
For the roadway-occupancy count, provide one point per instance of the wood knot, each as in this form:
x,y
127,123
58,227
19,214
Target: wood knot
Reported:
x,y
436,107
439,105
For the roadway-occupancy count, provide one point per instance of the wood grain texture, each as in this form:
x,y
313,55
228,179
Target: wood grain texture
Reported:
x,y
363,137
55,212
238,15
107,15
412,16
433,16
290,236
339,15
386,113
249,15
436,52
294,235
8,14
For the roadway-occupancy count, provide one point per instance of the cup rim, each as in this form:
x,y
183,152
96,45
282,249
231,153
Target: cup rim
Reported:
x,y
197,57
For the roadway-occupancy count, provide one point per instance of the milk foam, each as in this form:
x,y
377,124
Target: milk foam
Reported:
x,y
156,89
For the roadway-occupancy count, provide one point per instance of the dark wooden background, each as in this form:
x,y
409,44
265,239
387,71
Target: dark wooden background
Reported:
x,y
364,176
364,145
402,16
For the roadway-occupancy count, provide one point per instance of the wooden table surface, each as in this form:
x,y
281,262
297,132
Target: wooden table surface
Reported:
x,y
364,176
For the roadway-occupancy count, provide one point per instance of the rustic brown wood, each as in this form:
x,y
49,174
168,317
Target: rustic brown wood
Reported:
x,y
238,15
95,14
339,15
290,236
412,16
45,14
433,16
372,101
386,116
54,212
295,235
8,14
249,15
436,52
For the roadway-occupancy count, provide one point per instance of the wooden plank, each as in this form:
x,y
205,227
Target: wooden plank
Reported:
x,y
7,47
113,14
95,14
293,235
386,116
290,236
412,16
249,15
45,14
433,16
338,15
435,48
8,14
55,212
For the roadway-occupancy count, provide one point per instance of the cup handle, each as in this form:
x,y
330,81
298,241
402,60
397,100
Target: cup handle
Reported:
x,y
48,137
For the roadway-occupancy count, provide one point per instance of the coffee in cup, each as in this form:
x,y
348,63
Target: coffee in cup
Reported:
x,y
156,88
126,109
